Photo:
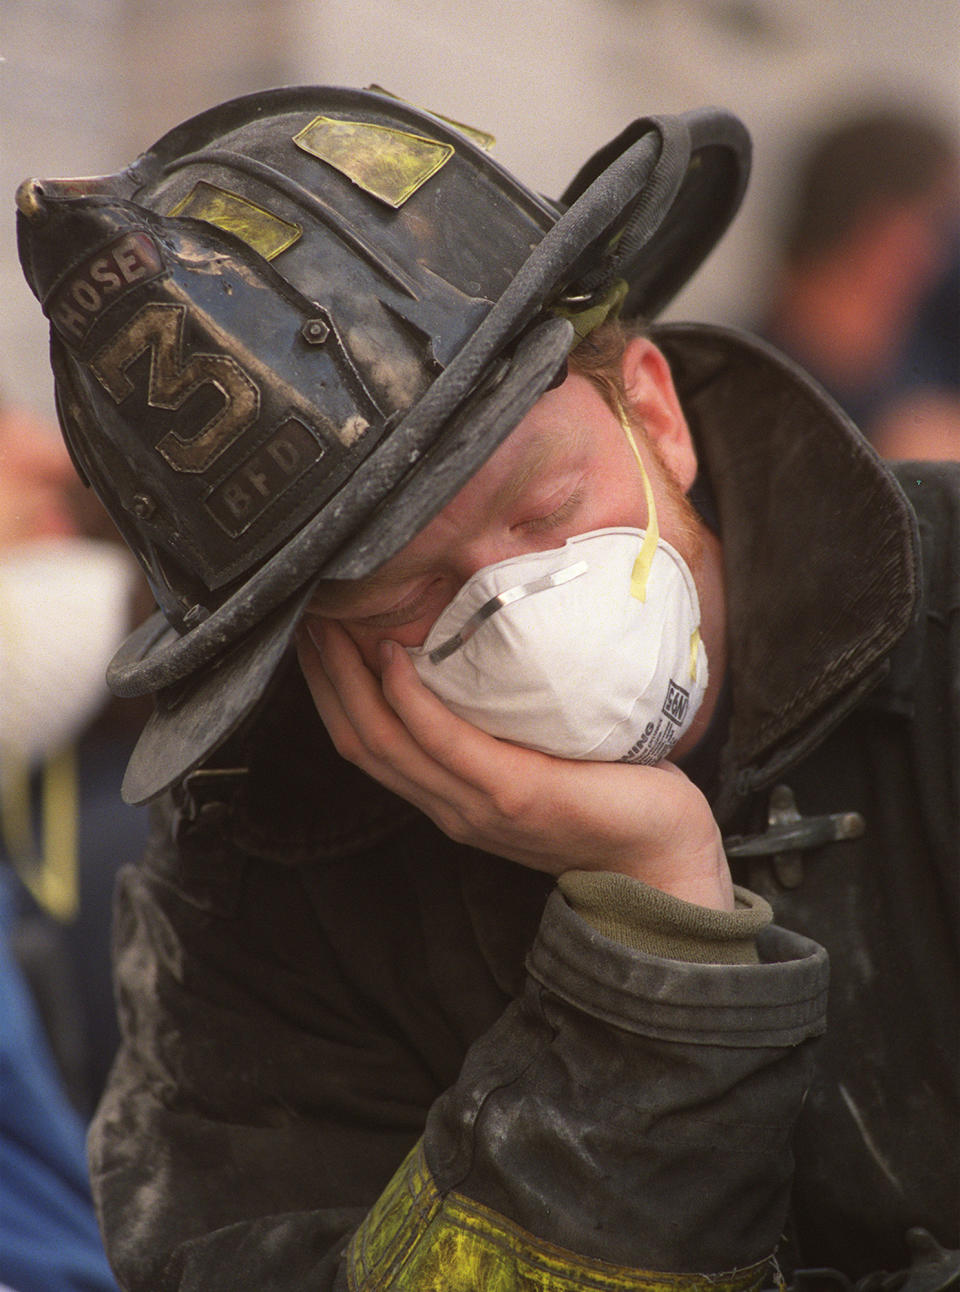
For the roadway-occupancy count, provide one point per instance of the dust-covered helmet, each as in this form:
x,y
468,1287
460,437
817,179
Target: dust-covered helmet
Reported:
x,y
290,331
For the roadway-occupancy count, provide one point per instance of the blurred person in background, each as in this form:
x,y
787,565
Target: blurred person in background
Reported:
x,y
866,292
924,421
65,602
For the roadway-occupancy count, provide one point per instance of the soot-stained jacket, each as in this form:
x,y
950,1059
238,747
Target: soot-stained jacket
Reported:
x,y
358,1055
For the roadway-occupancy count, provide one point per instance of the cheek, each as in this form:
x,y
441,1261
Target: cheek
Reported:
x,y
367,640
615,494
621,502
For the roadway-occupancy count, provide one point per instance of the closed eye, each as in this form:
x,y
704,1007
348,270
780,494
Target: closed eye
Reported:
x,y
557,516
408,611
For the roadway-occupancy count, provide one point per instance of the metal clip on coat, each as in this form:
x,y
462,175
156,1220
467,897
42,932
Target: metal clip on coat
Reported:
x,y
788,834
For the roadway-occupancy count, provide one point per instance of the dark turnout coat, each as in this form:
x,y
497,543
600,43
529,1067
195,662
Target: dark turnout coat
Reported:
x,y
359,1055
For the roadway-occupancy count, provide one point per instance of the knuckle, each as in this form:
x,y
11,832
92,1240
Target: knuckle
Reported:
x,y
456,828
510,801
464,822
381,746
348,746
360,748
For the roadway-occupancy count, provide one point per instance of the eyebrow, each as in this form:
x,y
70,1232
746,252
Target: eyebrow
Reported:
x,y
544,449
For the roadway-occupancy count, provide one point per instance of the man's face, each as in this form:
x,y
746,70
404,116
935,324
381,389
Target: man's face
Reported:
x,y
567,469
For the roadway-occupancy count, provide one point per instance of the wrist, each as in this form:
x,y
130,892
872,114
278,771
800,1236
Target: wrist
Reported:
x,y
696,872
684,857
703,879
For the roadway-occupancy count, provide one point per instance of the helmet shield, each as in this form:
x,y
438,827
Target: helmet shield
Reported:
x,y
288,334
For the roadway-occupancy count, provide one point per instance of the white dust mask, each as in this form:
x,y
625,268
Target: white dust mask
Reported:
x,y
588,651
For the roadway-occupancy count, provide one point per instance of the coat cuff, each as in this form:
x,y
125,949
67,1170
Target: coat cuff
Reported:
x,y
779,1001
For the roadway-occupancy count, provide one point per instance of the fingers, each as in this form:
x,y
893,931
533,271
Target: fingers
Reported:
x,y
403,736
349,707
468,753
364,728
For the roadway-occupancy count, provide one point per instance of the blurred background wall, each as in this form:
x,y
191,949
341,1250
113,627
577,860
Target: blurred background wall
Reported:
x,y
86,84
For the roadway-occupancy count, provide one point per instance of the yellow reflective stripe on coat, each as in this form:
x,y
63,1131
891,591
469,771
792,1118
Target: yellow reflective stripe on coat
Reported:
x,y
414,1240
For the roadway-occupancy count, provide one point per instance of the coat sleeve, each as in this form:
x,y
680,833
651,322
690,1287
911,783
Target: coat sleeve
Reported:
x,y
624,1124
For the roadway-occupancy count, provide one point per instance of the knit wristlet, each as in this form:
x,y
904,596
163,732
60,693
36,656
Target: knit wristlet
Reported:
x,y
649,920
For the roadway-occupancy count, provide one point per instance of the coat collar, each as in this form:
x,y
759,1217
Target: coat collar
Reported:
x,y
819,544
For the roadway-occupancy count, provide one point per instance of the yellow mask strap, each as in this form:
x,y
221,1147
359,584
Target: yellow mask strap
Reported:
x,y
694,652
641,566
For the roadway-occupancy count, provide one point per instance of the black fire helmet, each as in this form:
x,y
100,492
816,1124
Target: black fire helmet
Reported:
x,y
290,331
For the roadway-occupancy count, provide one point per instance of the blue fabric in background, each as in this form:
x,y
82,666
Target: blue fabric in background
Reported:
x,y
49,1241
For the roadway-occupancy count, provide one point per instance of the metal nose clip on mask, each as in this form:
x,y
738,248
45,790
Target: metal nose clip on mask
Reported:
x,y
589,651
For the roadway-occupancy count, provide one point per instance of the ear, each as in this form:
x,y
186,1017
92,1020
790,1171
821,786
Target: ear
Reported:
x,y
652,400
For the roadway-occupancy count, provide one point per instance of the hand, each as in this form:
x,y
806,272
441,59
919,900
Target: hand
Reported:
x,y
548,813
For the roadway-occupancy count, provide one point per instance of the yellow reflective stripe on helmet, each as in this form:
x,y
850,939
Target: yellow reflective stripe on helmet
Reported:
x,y
259,228
414,1240
387,163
